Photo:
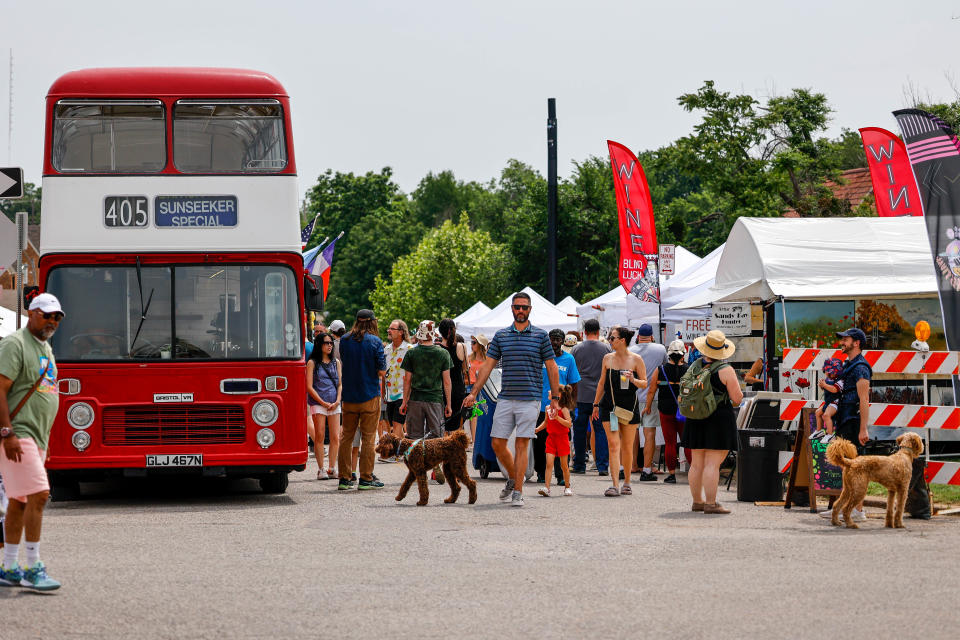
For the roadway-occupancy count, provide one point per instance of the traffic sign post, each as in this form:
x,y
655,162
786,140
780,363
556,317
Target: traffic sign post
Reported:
x,y
668,255
18,277
11,183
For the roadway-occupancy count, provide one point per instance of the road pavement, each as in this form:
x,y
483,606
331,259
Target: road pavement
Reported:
x,y
221,560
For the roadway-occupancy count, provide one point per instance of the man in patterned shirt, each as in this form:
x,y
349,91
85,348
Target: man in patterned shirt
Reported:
x,y
399,336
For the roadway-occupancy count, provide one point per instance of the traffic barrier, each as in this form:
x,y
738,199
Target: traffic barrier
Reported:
x,y
914,416
920,362
943,472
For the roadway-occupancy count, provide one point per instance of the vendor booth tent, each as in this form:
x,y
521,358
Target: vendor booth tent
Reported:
x,y
613,303
568,304
478,310
697,278
543,315
8,321
821,258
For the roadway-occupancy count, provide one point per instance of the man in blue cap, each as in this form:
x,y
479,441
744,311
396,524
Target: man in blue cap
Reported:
x,y
853,410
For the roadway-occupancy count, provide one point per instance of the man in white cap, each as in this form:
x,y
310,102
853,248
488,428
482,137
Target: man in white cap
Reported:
x,y
28,404
426,386
337,328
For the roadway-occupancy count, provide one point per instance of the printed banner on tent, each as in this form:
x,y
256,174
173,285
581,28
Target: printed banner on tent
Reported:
x,y
638,237
935,156
732,319
894,186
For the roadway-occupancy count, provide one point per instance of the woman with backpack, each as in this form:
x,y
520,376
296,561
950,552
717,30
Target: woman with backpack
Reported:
x,y
709,437
616,405
671,420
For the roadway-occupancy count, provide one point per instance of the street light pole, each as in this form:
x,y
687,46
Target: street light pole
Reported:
x,y
552,200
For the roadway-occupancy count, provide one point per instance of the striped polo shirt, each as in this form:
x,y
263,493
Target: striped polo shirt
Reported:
x,y
521,355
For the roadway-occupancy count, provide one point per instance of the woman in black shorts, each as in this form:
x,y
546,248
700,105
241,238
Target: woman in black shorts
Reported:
x,y
711,438
621,375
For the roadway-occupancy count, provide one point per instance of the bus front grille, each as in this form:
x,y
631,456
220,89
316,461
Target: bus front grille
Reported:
x,y
136,425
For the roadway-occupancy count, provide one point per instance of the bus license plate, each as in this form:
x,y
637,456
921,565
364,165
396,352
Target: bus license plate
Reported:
x,y
175,460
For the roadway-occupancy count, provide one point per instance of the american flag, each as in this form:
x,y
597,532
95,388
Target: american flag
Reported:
x,y
306,233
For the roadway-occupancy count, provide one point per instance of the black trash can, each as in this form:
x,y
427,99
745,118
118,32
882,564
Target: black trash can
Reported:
x,y
758,464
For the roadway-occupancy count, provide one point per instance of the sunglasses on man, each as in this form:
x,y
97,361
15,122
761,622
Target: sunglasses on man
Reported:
x,y
521,307
55,315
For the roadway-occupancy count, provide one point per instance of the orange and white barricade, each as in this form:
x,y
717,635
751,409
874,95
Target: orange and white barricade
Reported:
x,y
919,362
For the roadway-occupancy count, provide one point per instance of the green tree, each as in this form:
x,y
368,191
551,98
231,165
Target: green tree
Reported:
x,y
451,268
30,202
342,199
366,251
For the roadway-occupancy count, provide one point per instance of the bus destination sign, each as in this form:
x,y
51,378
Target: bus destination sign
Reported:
x,y
195,211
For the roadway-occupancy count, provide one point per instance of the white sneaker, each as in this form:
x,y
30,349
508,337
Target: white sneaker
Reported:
x,y
568,491
545,492
517,499
507,491
322,474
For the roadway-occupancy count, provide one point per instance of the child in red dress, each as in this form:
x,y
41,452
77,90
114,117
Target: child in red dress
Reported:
x,y
557,425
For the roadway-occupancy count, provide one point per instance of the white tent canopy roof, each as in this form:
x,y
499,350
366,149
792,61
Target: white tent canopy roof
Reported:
x,y
817,258
8,321
568,304
543,315
478,310
614,302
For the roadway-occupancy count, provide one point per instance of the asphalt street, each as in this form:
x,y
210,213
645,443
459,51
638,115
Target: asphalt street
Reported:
x,y
221,560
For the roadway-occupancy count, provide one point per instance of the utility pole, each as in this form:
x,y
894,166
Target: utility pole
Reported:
x,y
10,114
552,200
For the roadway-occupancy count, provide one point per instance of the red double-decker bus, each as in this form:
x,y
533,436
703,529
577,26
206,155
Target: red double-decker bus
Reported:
x,y
170,234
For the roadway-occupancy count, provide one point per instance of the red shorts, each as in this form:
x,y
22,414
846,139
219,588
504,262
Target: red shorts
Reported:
x,y
558,445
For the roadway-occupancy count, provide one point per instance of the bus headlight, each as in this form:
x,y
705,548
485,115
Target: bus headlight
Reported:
x,y
266,437
80,415
265,413
80,440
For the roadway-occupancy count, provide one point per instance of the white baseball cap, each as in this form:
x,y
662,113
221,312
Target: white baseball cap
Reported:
x,y
46,302
336,325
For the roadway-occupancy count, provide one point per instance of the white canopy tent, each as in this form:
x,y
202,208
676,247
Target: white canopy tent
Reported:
x,y
543,315
611,308
478,310
8,321
820,258
568,304
697,278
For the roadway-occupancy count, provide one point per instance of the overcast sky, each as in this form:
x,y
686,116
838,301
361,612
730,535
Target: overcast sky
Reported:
x,y
428,86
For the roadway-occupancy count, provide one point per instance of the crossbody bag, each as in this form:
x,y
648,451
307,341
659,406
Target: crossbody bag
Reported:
x,y
622,414
677,415
23,400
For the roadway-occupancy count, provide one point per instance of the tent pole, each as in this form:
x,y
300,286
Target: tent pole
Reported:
x,y
786,330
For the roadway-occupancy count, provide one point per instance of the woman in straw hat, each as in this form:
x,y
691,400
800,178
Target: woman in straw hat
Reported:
x,y
621,375
710,438
478,355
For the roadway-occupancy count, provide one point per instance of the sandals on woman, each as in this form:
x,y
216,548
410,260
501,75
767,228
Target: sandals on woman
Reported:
x,y
625,490
612,492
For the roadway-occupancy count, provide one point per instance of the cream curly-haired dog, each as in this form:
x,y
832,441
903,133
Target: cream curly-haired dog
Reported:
x,y
892,471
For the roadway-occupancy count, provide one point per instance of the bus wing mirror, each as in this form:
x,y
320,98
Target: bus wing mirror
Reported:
x,y
312,296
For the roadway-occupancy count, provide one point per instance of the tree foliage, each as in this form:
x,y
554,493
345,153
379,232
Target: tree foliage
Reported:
x,y
449,270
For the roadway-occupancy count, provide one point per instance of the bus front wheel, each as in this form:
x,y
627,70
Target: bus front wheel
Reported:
x,y
275,482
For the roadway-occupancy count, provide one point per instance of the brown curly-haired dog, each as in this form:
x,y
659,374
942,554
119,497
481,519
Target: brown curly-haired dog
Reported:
x,y
892,471
424,455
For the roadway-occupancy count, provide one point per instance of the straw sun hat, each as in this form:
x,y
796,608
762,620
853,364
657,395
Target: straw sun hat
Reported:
x,y
715,345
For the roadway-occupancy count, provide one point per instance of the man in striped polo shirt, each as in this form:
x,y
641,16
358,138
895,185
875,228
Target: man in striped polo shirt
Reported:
x,y
522,350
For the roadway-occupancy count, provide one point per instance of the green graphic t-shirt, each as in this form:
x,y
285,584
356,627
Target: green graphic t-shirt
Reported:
x,y
23,359
426,364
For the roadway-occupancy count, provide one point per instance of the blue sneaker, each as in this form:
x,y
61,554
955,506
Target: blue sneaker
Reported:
x,y
36,577
11,577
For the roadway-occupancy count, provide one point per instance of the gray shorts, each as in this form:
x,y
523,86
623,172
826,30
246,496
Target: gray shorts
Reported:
x,y
424,419
651,420
515,414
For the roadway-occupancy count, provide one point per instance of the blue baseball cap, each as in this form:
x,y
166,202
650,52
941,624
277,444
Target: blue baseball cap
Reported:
x,y
854,333
645,330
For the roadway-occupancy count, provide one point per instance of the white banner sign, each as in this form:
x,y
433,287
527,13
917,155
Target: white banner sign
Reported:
x,y
668,257
732,319
693,328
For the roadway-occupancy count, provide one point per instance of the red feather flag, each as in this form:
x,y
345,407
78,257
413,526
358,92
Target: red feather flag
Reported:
x,y
638,235
894,185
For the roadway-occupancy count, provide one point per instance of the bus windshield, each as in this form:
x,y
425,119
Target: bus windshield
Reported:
x,y
113,136
211,136
180,311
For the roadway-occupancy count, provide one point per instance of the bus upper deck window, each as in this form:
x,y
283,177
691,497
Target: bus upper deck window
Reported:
x,y
228,136
113,136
